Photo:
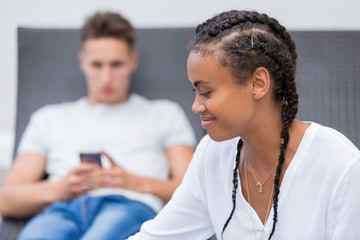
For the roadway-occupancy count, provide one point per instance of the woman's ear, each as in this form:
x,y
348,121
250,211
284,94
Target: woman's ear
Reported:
x,y
260,83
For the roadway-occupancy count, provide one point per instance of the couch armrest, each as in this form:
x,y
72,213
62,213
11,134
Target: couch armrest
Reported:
x,y
10,228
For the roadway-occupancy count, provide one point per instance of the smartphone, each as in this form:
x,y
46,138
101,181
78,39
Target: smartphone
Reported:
x,y
91,157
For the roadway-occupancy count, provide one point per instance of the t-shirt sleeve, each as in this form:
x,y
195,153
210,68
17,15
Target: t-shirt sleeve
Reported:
x,y
176,126
344,210
186,215
33,138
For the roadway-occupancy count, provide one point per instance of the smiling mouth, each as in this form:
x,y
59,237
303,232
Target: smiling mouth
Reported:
x,y
206,121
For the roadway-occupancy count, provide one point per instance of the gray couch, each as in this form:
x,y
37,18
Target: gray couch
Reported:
x,y
328,77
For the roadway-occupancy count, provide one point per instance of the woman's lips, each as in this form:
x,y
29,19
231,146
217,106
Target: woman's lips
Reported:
x,y
206,121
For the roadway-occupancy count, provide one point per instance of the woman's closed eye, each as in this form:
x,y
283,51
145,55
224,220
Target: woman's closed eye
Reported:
x,y
204,94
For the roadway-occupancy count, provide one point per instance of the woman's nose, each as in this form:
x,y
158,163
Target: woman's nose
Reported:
x,y
198,106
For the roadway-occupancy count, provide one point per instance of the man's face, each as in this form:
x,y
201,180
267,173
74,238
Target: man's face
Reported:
x,y
108,64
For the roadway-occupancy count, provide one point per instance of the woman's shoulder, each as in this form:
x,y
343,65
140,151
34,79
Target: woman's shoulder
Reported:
x,y
331,139
327,150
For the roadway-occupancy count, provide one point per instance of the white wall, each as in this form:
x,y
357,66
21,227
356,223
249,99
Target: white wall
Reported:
x,y
304,15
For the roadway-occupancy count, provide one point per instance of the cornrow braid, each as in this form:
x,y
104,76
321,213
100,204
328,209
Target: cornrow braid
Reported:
x,y
244,41
235,185
289,110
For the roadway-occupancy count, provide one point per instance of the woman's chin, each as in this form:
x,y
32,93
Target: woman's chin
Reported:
x,y
218,137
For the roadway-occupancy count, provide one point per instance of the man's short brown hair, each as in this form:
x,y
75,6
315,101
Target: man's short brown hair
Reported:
x,y
108,24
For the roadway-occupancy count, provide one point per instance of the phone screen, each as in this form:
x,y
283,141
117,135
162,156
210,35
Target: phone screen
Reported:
x,y
91,157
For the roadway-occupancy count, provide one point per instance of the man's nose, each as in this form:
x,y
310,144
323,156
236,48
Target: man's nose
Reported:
x,y
105,74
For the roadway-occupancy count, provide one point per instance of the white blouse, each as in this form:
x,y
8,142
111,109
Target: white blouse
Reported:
x,y
319,196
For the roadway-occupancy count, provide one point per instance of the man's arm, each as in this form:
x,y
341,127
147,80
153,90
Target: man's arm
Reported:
x,y
24,194
179,157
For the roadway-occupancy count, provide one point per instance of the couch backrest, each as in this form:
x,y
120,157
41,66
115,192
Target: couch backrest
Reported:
x,y
327,77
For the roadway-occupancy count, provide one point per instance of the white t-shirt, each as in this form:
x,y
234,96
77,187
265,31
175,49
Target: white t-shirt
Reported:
x,y
319,196
135,134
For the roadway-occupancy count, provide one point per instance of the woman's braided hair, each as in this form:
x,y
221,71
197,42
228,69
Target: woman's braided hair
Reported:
x,y
244,41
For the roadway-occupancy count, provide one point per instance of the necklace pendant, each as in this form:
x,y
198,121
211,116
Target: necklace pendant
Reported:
x,y
260,186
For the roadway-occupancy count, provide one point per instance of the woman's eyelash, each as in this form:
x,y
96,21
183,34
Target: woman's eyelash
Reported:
x,y
205,94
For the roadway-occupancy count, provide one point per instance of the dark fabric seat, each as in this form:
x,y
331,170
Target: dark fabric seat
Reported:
x,y
327,77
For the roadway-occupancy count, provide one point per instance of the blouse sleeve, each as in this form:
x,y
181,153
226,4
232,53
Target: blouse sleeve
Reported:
x,y
185,216
344,210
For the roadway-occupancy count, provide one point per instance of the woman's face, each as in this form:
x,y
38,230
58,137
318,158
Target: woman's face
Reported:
x,y
226,108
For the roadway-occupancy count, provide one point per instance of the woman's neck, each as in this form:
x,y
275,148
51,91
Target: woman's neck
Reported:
x,y
263,146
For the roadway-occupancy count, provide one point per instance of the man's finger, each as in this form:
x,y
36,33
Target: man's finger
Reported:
x,y
84,168
108,157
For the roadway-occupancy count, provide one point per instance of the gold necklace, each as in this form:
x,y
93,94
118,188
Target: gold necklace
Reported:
x,y
252,170
269,204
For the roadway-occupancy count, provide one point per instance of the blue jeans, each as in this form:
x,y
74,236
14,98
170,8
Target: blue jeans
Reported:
x,y
103,217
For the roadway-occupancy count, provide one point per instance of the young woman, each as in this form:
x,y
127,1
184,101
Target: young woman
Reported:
x,y
259,174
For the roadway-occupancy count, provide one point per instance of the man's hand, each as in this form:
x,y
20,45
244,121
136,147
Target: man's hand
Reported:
x,y
77,181
117,177
113,177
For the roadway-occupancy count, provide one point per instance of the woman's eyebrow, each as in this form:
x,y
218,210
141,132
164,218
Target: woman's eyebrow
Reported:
x,y
198,82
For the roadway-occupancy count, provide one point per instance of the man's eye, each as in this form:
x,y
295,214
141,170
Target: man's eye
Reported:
x,y
96,65
117,64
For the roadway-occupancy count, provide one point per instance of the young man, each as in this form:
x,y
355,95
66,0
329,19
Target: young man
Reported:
x,y
144,142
